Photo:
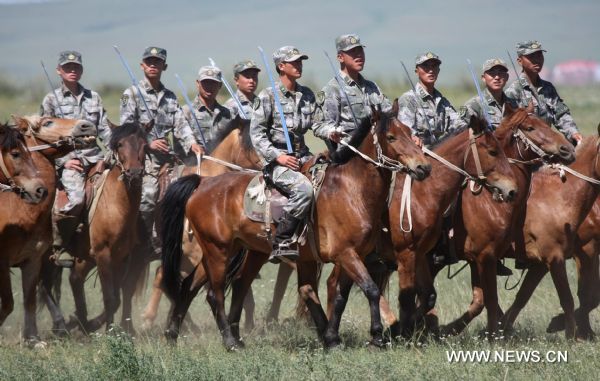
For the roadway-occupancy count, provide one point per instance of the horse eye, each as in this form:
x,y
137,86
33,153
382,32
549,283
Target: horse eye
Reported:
x,y
15,154
529,129
391,138
119,145
47,123
493,152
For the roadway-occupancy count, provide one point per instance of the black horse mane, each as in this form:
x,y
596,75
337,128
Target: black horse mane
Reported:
x,y
343,154
123,131
10,138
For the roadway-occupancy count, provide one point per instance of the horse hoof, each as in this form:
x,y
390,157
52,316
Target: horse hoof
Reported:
x,y
557,324
379,343
171,336
334,343
35,343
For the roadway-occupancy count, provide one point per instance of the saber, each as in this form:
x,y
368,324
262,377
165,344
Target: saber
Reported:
x,y
342,90
417,97
53,90
231,92
135,84
286,133
189,104
483,104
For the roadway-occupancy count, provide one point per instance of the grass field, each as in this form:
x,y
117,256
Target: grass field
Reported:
x,y
290,350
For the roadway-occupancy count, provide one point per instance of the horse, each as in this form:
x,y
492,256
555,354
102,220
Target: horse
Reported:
x,y
236,148
213,207
25,228
588,277
473,154
484,229
551,225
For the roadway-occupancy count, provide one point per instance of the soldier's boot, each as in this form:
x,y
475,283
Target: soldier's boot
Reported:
x,y
154,245
283,244
63,228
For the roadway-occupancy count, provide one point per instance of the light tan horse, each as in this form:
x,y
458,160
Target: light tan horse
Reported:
x,y
555,210
25,230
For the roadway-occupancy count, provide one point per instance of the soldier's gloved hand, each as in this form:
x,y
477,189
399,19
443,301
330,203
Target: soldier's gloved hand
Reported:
x,y
288,161
160,145
75,165
197,149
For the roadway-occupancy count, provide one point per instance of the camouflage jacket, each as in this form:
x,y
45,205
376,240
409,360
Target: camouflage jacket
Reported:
x,y
231,104
215,124
266,131
87,105
169,121
362,95
548,104
441,115
495,110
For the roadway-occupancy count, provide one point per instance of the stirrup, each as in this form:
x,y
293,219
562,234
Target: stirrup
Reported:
x,y
63,259
283,250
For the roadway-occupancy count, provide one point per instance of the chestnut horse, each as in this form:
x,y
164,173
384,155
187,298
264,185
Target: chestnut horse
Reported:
x,y
555,210
407,250
588,277
484,229
343,234
25,229
236,148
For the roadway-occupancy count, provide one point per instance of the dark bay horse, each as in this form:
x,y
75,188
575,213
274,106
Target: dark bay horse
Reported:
x,y
587,249
556,208
236,148
25,229
343,235
407,250
484,229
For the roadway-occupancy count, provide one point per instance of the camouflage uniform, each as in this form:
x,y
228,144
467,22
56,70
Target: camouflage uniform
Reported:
x,y
268,138
169,124
231,104
546,101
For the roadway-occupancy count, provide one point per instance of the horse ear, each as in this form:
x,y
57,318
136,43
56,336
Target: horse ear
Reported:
x,y
111,125
395,108
148,126
476,125
530,108
20,122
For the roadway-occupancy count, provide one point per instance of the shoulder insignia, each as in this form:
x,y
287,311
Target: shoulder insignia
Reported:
x,y
463,112
256,103
124,100
320,98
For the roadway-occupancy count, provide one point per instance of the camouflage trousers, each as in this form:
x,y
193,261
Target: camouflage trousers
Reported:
x,y
299,190
74,184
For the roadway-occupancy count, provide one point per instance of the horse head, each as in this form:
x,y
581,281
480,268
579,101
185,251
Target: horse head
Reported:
x,y
486,158
17,169
61,135
128,145
397,144
536,136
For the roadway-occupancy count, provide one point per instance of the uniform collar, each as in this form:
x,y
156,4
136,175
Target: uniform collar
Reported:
x,y
350,82
424,94
149,89
242,97
65,90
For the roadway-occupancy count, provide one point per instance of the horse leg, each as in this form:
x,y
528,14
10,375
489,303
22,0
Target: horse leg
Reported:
x,y
342,290
77,281
475,308
51,278
130,279
180,307
254,262
533,277
249,307
427,297
308,290
30,271
333,289
487,269
110,292
151,310
558,271
8,303
587,290
407,293
283,276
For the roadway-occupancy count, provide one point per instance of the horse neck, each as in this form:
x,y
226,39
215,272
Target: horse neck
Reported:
x,y
120,197
510,146
453,150
579,189
230,150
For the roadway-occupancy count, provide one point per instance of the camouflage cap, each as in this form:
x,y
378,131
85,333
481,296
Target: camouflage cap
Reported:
x,y
69,56
209,72
346,42
287,54
153,51
529,47
423,57
493,62
245,65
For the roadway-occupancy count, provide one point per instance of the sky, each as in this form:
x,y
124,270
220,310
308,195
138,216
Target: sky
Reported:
x,y
231,30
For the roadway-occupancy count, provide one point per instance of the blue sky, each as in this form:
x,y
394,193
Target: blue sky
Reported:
x,y
229,30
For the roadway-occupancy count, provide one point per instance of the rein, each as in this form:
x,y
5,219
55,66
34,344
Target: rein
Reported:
x,y
224,163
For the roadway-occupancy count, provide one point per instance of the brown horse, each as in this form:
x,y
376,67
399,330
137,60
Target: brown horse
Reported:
x,y
483,228
236,148
342,235
25,230
407,250
588,278
551,224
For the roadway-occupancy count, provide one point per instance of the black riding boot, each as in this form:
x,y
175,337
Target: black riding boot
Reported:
x,y
502,270
283,245
444,252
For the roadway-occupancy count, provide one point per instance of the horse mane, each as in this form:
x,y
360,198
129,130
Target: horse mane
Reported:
x,y
9,137
120,132
585,144
343,154
507,123
245,140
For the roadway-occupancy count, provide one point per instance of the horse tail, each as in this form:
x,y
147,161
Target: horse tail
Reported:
x,y
173,213
234,266
49,284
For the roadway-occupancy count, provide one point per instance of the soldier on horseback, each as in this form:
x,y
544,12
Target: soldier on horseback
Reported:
x,y
269,140
245,74
73,101
171,135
